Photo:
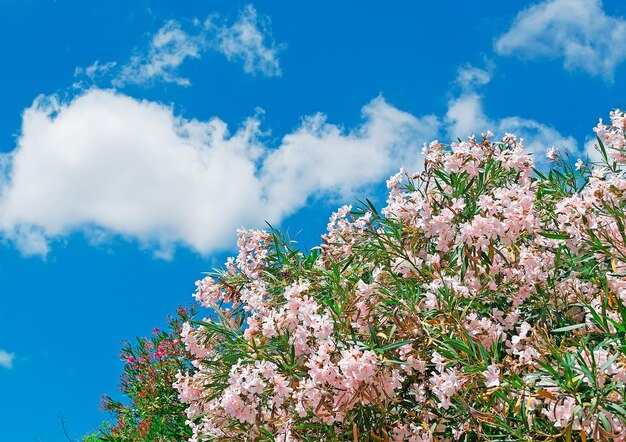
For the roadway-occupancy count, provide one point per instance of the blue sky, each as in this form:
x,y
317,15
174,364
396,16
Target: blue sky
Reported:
x,y
138,135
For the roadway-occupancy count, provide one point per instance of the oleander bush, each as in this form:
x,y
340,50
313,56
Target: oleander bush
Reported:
x,y
485,301
152,411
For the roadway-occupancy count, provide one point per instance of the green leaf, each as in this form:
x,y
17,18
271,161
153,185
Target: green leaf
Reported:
x,y
553,235
568,328
372,207
267,433
395,345
616,408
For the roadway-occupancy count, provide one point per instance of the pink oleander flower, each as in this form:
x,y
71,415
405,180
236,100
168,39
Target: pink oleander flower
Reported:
x,y
579,164
492,376
552,153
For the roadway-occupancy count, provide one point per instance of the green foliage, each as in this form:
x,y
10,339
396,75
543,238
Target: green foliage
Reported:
x,y
151,411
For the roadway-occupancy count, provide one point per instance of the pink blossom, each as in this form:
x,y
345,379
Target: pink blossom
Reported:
x,y
492,376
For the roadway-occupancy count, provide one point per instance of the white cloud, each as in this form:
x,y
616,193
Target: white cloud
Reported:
x,y
466,115
322,158
579,31
6,359
249,40
470,77
168,49
95,70
108,162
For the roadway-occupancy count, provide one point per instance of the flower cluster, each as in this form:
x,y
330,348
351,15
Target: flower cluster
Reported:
x,y
485,301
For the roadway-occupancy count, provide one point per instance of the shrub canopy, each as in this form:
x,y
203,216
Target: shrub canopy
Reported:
x,y
485,301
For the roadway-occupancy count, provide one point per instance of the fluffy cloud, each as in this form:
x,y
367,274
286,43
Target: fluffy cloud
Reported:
x,y
248,40
321,158
579,31
466,115
168,49
6,359
106,161
470,77
106,164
